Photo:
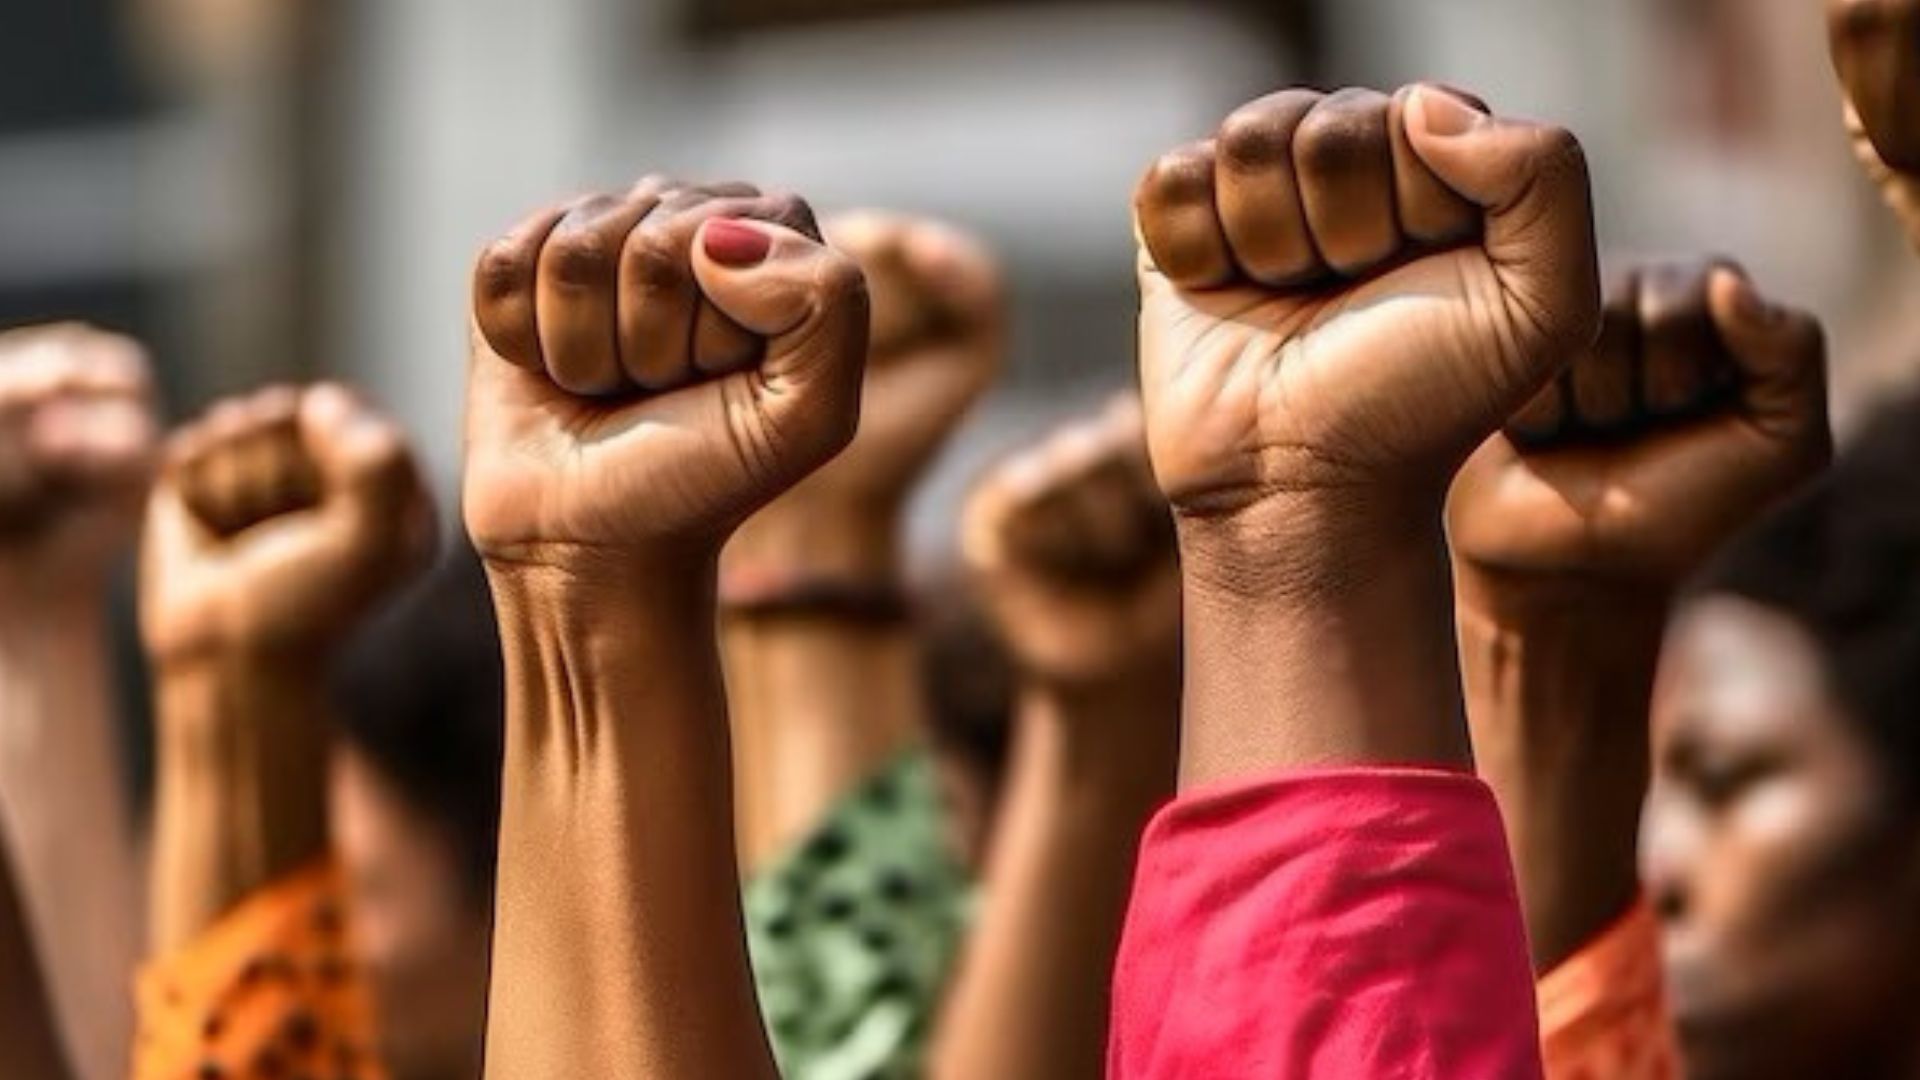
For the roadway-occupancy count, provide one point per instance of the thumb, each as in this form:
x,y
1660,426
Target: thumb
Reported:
x,y
1780,353
808,300
1530,182
368,478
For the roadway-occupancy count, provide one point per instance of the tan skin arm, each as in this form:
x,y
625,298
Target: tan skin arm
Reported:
x,y
822,699
77,445
1305,437
1571,533
1071,546
280,520
609,454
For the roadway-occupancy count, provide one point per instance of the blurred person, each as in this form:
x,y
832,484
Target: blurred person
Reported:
x,y
1779,847
1071,547
1876,50
77,449
414,814
280,521
854,904
649,368
1702,405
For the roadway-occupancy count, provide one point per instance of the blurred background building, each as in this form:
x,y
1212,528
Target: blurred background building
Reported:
x,y
279,189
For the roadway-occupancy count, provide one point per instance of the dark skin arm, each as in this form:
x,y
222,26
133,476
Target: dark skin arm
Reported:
x,y
26,1019
623,417
1071,547
1876,51
1700,406
1325,333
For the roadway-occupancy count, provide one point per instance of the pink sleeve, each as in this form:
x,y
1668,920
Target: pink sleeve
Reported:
x,y
1338,924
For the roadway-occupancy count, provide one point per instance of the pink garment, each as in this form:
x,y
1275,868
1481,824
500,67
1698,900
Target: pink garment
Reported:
x,y
1354,924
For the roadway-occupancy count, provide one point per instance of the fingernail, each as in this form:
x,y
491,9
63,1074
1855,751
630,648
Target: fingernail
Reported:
x,y
1447,115
735,243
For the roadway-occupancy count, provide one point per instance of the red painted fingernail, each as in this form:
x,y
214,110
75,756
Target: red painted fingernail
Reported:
x,y
735,243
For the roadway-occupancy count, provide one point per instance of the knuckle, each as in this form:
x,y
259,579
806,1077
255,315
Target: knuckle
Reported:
x,y
648,265
578,257
504,268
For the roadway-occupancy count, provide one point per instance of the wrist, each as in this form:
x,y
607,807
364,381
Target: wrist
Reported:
x,y
854,546
1344,657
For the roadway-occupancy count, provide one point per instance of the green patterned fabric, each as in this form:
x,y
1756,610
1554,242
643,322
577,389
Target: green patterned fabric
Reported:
x,y
854,932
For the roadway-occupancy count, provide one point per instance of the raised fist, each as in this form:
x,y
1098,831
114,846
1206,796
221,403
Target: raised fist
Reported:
x,y
279,519
1346,293
1701,404
651,367
1071,546
936,344
77,449
1876,50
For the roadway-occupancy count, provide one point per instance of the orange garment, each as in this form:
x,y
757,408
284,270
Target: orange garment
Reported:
x,y
1603,1011
267,992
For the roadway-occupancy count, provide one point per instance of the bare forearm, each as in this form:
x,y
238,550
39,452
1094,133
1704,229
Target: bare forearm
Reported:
x,y
240,795
1559,681
26,1022
60,770
820,700
1320,664
1031,999
618,946
820,704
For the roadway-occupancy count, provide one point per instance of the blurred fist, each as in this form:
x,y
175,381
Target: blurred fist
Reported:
x,y
280,518
1350,291
1876,50
1701,405
651,367
77,447
935,346
1071,546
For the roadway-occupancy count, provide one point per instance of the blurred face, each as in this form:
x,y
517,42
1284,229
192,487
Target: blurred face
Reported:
x,y
1773,849
419,935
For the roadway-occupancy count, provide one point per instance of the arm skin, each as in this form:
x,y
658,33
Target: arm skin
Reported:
x,y
1571,535
26,1020
60,771
239,800
77,445
1088,769
1558,684
616,847
822,701
600,508
1071,547
281,519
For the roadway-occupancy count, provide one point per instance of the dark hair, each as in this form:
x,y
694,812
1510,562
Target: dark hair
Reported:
x,y
421,694
1843,561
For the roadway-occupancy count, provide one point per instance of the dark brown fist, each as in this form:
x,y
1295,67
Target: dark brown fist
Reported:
x,y
1701,405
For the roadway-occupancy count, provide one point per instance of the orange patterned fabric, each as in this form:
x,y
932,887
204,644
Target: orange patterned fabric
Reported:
x,y
268,992
1603,1012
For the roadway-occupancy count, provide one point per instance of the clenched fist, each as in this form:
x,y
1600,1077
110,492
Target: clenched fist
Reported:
x,y
77,447
279,519
1343,294
1876,49
1701,404
1071,545
650,367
